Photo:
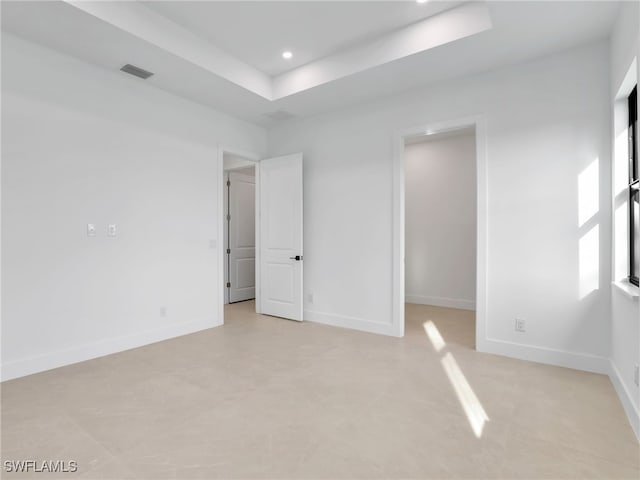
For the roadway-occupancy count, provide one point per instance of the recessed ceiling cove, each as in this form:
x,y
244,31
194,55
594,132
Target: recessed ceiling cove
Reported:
x,y
227,55
144,21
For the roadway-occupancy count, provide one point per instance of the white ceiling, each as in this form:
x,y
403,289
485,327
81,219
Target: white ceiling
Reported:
x,y
257,32
227,54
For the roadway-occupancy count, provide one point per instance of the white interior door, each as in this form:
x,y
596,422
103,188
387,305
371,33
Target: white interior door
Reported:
x,y
280,203
241,249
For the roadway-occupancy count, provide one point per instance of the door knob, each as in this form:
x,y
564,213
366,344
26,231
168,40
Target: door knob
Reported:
x,y
296,258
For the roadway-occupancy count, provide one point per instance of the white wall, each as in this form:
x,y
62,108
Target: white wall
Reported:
x,y
440,221
625,313
547,121
85,145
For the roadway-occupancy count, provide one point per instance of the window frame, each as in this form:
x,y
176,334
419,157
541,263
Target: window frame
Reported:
x,y
632,102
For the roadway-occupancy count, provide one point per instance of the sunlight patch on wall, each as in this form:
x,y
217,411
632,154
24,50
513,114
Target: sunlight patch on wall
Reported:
x,y
621,163
588,192
621,232
589,261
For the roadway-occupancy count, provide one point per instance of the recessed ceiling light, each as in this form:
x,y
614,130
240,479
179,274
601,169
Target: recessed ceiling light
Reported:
x,y
421,1
287,54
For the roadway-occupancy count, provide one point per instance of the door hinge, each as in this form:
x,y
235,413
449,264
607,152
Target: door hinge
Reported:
x,y
228,250
228,183
228,284
228,217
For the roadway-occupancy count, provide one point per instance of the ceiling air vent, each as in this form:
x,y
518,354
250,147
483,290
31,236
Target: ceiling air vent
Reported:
x,y
279,115
135,71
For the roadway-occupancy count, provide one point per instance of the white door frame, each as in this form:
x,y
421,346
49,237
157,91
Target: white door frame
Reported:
x,y
398,290
254,157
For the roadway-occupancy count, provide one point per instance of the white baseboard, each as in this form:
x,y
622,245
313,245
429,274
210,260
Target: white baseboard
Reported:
x,y
626,399
48,361
441,302
350,322
559,358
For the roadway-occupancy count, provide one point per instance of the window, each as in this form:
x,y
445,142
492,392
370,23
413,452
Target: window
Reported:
x,y
634,193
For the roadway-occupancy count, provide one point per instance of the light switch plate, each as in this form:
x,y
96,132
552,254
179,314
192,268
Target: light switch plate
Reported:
x,y
91,229
112,230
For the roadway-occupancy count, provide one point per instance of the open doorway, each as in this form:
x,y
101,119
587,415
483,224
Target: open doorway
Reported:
x,y
440,219
260,226
440,222
239,233
440,232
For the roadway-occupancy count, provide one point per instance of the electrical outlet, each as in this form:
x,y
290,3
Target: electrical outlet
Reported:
x,y
163,311
636,375
520,325
112,230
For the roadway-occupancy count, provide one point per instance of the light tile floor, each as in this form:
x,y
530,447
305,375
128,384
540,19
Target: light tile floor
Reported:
x,y
264,397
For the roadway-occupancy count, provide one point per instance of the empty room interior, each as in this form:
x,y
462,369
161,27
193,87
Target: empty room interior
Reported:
x,y
320,239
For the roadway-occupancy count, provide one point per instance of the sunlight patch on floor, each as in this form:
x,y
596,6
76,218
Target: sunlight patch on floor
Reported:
x,y
434,335
466,396
471,405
